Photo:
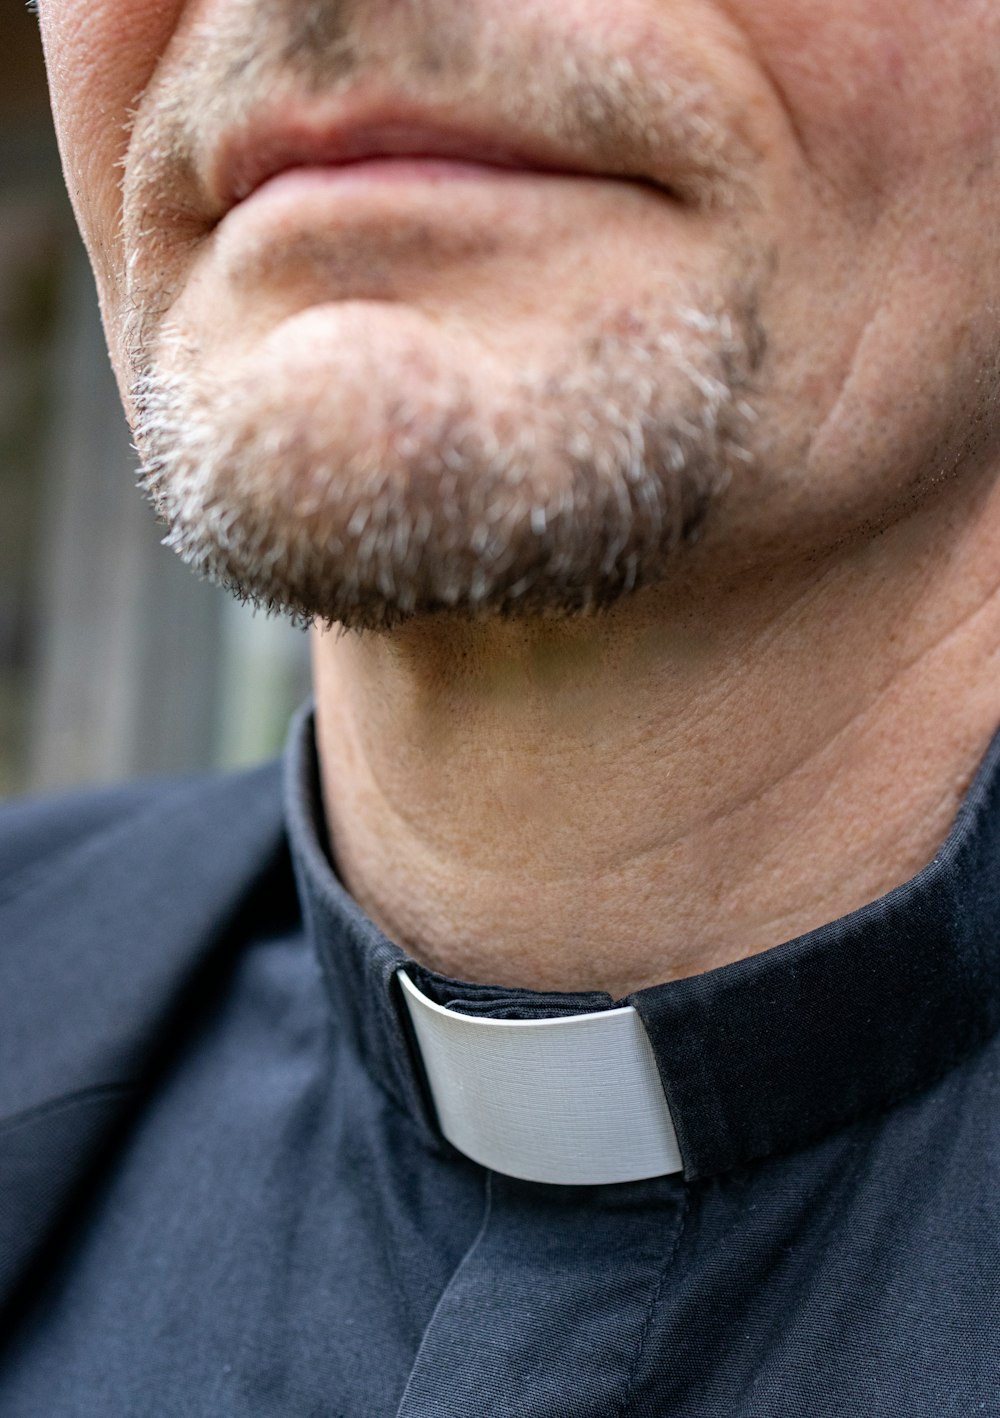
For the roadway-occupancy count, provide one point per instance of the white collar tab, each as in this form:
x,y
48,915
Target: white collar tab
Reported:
x,y
575,1100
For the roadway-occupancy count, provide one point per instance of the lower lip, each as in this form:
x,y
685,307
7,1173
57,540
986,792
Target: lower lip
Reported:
x,y
390,170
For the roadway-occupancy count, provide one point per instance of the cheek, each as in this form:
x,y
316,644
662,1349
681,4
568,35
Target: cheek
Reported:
x,y
100,54
882,93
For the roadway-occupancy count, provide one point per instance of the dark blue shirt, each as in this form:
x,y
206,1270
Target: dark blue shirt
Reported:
x,y
223,1192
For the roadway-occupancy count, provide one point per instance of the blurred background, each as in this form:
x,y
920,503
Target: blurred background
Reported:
x,y
115,661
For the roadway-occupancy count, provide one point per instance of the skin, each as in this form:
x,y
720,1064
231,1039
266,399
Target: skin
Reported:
x,y
780,726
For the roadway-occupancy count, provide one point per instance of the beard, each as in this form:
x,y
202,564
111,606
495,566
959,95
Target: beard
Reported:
x,y
385,479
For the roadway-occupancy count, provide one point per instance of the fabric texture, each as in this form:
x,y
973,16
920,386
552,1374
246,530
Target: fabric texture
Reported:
x,y
223,1191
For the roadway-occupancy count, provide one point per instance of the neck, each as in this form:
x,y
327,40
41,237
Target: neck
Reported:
x,y
691,778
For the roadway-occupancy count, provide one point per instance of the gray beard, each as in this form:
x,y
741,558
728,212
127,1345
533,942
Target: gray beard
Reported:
x,y
573,489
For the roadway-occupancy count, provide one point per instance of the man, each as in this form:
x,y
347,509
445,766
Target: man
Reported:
x,y
614,388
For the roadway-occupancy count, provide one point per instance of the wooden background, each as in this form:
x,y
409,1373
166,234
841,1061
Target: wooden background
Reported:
x,y
114,659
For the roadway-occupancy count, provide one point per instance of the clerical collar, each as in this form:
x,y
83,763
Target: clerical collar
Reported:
x,y
764,1056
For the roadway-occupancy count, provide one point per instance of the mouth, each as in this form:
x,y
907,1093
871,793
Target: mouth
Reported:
x,y
385,147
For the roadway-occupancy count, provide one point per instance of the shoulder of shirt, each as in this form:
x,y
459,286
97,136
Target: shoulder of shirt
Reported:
x,y
118,908
38,834
112,904
36,830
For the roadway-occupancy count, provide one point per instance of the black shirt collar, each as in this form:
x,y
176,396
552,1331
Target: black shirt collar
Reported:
x,y
759,1057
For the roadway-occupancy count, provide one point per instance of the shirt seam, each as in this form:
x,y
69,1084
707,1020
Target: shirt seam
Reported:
x,y
651,1307
62,1103
439,1305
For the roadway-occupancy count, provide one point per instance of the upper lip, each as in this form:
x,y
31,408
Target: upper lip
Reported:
x,y
247,158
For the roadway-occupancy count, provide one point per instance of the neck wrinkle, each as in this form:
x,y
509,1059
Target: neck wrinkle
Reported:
x,y
611,803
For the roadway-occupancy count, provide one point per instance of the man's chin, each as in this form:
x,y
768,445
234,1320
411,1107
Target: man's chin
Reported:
x,y
366,496
369,547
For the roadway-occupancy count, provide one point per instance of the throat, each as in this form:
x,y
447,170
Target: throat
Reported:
x,y
617,802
